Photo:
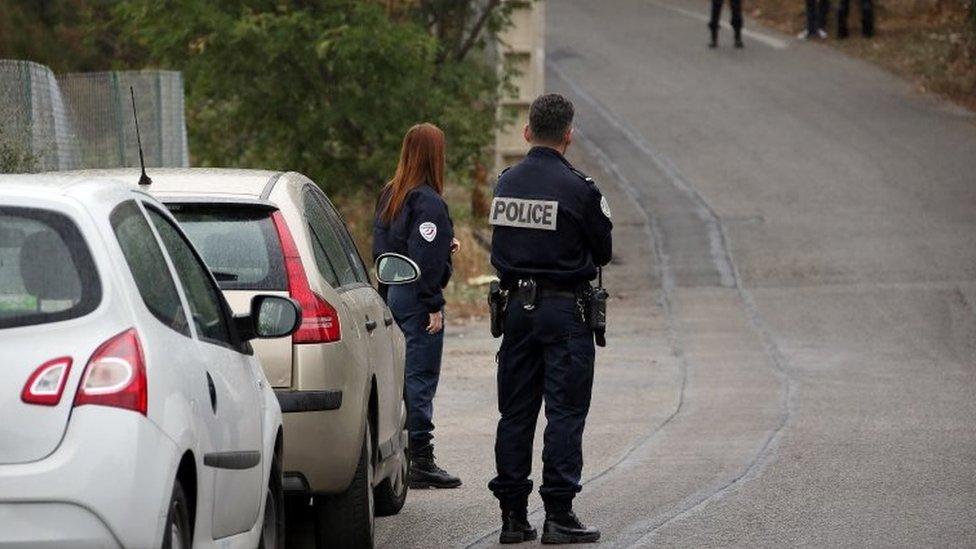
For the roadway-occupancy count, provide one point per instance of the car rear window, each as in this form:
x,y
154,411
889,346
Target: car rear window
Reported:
x,y
46,269
239,245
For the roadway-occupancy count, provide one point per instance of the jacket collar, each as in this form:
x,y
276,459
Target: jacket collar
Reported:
x,y
541,151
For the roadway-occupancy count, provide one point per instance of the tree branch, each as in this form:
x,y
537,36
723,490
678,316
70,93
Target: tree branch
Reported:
x,y
469,43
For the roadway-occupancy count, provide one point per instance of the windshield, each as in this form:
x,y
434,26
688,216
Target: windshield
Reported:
x,y
239,245
46,271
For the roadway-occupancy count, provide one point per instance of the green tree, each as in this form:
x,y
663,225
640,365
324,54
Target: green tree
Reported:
x,y
326,87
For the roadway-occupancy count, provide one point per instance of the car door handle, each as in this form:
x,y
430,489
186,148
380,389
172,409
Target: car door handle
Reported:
x,y
387,320
370,325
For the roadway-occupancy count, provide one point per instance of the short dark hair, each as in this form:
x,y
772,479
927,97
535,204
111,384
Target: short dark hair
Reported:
x,y
550,117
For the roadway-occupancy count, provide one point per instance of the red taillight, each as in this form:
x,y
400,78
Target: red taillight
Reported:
x,y
116,375
46,384
320,320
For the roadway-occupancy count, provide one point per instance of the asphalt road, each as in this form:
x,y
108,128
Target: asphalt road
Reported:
x,y
792,356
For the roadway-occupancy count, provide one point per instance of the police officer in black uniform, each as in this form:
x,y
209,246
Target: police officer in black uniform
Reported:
x,y
551,232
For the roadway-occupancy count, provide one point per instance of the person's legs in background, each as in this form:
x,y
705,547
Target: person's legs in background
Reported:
x,y
714,22
736,6
811,30
823,12
867,18
843,9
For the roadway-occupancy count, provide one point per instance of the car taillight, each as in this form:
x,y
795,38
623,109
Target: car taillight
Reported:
x,y
320,320
116,375
46,384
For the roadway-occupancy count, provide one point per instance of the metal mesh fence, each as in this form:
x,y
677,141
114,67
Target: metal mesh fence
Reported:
x,y
36,131
84,120
102,111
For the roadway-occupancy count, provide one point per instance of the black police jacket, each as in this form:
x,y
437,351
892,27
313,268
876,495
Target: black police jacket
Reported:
x,y
422,231
550,222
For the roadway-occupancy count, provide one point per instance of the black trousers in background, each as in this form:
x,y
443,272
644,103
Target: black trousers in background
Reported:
x,y
736,7
867,17
817,11
546,354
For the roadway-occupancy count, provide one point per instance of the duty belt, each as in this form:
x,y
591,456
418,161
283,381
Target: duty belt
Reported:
x,y
551,288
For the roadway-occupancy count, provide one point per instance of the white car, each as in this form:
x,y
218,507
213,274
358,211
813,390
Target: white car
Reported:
x,y
133,412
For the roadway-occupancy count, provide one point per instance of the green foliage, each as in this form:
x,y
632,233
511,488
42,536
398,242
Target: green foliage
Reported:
x,y
65,35
325,87
15,153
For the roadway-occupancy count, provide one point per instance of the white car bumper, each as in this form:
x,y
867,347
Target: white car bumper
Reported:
x,y
108,484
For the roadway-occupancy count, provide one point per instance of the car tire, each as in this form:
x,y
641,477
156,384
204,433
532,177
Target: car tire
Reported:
x,y
391,494
178,533
273,528
347,520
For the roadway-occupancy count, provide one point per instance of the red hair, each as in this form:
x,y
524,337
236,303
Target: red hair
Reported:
x,y
421,163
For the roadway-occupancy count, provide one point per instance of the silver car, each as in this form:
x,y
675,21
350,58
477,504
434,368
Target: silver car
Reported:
x,y
134,413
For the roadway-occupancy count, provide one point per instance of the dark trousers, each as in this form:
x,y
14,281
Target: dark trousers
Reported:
x,y
546,355
736,7
423,364
817,11
867,17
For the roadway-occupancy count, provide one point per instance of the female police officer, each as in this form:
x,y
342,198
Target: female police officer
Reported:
x,y
551,230
412,219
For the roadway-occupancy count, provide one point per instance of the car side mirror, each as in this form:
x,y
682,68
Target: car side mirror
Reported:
x,y
271,316
393,269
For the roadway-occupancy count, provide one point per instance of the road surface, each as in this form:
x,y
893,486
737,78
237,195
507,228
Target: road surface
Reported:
x,y
792,357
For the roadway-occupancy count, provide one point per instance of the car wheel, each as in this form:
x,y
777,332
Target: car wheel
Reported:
x,y
273,528
391,494
347,519
178,533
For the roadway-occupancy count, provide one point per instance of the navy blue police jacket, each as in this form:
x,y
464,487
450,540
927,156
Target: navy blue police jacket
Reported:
x,y
422,231
550,222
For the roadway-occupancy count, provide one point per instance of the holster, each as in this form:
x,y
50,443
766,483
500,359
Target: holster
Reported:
x,y
497,305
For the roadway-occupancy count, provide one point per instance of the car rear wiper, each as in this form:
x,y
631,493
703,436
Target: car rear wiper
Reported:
x,y
225,277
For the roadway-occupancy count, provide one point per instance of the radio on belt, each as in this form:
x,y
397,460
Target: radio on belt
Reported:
x,y
597,310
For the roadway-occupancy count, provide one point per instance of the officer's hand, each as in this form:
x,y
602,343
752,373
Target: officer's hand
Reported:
x,y
436,323
455,245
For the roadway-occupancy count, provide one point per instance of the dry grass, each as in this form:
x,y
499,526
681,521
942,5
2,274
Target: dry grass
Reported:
x,y
930,42
464,301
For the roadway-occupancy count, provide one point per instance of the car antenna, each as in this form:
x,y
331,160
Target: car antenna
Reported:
x,y
143,179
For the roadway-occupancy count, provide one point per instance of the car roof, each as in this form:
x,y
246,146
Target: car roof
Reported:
x,y
229,182
83,187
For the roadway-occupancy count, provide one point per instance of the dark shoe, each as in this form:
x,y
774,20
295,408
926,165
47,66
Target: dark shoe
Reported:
x,y
842,32
566,528
424,472
714,42
738,40
516,527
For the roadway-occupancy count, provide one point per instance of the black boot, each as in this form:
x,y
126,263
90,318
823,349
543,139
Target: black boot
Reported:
x,y
424,473
564,527
738,39
714,42
516,527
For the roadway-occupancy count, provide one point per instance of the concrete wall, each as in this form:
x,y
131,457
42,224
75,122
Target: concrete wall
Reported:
x,y
523,45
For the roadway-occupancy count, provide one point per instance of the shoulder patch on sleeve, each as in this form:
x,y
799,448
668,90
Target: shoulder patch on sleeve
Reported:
x,y
605,206
428,231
